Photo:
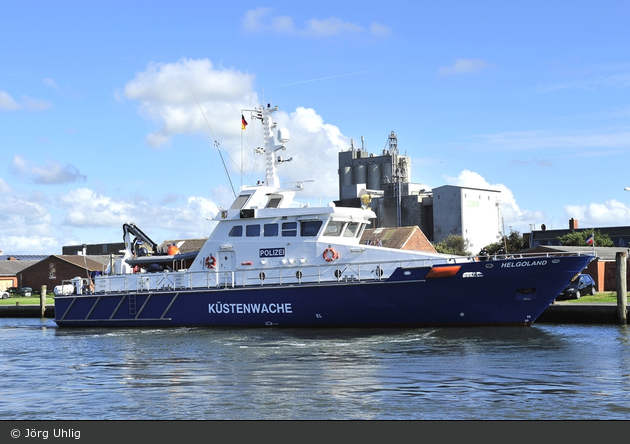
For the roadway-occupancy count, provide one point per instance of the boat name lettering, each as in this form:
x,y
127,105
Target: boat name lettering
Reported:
x,y
523,264
220,308
271,252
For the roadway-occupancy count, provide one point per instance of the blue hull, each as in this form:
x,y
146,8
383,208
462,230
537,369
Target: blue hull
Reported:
x,y
506,292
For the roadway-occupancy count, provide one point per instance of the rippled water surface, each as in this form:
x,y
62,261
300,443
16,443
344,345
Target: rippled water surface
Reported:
x,y
543,372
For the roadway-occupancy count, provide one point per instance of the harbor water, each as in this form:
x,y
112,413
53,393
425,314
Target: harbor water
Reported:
x,y
544,372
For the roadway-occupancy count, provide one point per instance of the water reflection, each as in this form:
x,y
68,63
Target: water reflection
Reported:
x,y
195,373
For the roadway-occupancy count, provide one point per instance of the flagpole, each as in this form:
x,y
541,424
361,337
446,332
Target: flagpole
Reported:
x,y
591,239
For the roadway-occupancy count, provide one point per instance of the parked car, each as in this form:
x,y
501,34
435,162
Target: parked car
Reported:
x,y
581,285
26,291
4,295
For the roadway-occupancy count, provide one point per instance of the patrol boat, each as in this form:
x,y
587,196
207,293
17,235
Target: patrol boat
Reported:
x,y
270,262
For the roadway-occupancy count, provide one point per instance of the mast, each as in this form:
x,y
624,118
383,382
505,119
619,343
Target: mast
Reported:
x,y
271,177
270,147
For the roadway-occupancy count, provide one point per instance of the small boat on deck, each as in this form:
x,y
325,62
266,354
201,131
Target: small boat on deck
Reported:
x,y
270,262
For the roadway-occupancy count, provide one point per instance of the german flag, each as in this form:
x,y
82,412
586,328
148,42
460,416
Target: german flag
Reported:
x,y
243,122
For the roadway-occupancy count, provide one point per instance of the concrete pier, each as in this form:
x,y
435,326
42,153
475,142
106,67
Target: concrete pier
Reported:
x,y
568,313
26,311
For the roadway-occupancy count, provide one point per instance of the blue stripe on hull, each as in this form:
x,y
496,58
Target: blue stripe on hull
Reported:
x,y
506,294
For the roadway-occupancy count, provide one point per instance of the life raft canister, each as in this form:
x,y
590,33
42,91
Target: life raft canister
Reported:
x,y
211,262
330,254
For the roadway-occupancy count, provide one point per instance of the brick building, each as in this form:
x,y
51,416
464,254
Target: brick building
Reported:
x,y
58,269
10,272
403,238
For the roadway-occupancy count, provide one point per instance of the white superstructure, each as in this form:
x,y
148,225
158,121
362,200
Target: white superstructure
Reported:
x,y
263,239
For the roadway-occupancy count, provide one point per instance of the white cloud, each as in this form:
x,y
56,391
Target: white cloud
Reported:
x,y
28,103
4,187
174,217
36,224
262,20
609,213
378,29
50,83
86,208
253,19
465,66
329,27
312,138
22,213
167,91
7,102
165,97
31,244
51,173
513,215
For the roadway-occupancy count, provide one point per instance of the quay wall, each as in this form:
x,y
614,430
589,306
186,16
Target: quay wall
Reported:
x,y
559,313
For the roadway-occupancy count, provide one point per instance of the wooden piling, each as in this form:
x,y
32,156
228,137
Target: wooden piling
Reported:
x,y
622,286
42,300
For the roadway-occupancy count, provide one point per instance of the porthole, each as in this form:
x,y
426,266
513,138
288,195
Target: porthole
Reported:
x,y
298,274
262,276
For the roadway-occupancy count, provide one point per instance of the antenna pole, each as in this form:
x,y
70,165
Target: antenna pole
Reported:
x,y
216,143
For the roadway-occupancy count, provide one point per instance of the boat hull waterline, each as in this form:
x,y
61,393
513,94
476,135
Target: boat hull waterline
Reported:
x,y
496,292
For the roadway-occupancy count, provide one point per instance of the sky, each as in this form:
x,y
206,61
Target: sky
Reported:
x,y
115,112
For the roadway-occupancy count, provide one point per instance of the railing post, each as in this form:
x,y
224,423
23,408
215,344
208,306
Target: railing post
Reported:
x,y
622,289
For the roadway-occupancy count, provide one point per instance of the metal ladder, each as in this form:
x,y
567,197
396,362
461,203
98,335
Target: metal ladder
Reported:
x,y
132,304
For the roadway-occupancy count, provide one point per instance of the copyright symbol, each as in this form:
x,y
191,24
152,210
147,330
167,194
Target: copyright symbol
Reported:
x,y
15,433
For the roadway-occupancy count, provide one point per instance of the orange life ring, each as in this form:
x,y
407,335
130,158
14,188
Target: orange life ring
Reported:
x,y
333,254
211,262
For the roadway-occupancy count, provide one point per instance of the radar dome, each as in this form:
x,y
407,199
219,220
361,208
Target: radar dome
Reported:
x,y
283,135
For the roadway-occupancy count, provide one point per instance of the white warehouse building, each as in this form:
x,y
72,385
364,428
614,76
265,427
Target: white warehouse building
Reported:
x,y
473,213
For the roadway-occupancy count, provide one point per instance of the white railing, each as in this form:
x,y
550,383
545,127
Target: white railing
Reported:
x,y
300,274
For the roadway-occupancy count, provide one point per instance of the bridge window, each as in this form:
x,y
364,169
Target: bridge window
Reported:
x,y
270,230
274,202
333,228
352,229
289,229
310,228
236,231
252,230
240,201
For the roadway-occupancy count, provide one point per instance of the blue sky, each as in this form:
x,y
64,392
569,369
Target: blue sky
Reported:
x,y
101,118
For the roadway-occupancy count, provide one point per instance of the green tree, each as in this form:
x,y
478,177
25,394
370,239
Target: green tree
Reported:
x,y
578,239
514,241
453,244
